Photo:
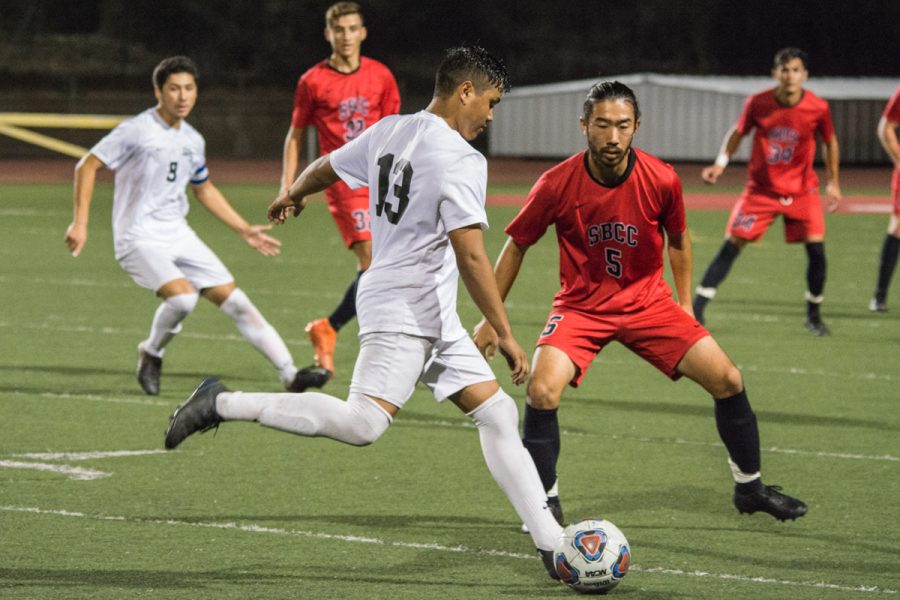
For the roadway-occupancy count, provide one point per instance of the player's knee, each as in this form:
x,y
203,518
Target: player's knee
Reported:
x,y
541,395
370,421
182,304
238,305
729,382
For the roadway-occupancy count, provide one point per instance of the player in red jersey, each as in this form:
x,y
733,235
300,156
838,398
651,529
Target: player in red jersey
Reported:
x,y
887,134
340,96
781,179
614,208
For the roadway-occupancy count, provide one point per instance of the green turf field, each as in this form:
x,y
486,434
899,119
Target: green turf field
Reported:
x,y
92,507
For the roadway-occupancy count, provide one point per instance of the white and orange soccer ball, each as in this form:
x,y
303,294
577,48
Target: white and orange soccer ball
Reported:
x,y
592,556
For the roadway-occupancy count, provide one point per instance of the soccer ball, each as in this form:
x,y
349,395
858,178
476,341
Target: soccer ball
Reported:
x,y
592,556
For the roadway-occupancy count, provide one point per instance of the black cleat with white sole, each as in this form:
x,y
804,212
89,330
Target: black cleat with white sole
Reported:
x,y
769,499
149,368
197,413
309,377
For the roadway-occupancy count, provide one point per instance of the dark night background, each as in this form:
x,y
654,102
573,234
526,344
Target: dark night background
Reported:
x,y
270,42
96,56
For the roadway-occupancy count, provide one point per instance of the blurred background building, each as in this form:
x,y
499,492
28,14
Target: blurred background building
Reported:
x,y
95,56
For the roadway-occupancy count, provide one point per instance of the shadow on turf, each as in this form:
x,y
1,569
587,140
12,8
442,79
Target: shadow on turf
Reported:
x,y
691,410
54,578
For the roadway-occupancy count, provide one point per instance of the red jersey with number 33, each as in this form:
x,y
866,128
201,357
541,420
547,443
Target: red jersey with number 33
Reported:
x,y
341,105
784,144
610,238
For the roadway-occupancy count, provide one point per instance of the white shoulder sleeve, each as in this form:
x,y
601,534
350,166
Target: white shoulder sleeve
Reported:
x,y
463,193
117,146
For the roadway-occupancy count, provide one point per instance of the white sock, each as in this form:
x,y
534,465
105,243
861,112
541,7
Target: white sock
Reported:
x,y
740,476
167,322
513,470
256,330
358,421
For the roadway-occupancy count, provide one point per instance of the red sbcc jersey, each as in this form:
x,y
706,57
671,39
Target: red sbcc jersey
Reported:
x,y
610,238
341,105
784,144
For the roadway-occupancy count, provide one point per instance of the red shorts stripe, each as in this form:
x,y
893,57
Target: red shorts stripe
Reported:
x,y
661,334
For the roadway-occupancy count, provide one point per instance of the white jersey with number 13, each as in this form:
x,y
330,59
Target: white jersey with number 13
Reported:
x,y
424,181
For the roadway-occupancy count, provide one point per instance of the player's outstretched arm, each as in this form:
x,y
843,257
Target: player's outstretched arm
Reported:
x,y
478,277
316,177
291,154
505,272
832,162
255,235
681,263
85,178
730,145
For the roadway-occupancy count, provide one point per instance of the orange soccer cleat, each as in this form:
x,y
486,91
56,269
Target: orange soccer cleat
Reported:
x,y
323,338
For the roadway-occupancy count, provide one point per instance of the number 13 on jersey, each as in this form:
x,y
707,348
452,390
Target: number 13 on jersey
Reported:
x,y
400,190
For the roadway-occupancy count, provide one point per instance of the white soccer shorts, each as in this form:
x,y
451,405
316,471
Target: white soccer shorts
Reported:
x,y
152,263
390,364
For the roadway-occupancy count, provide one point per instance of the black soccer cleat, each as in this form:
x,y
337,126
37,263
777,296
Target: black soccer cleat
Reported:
x,y
769,499
309,377
197,413
148,371
817,327
549,563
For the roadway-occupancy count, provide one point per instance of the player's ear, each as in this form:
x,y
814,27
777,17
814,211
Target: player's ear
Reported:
x,y
466,91
583,124
157,93
328,37
637,124
364,34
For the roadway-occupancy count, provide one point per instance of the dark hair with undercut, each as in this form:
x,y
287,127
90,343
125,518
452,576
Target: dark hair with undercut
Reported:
x,y
609,90
470,63
342,9
172,65
786,55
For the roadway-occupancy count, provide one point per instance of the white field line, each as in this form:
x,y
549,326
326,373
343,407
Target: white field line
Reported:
x,y
412,421
76,456
234,337
57,327
89,397
249,528
291,291
76,473
67,282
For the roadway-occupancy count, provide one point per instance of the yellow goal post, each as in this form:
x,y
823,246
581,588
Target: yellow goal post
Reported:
x,y
15,125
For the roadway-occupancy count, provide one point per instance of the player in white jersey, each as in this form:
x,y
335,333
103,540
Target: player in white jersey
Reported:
x,y
427,190
155,155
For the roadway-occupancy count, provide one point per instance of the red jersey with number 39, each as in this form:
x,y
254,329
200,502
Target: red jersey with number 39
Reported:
x,y
784,144
610,238
341,105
